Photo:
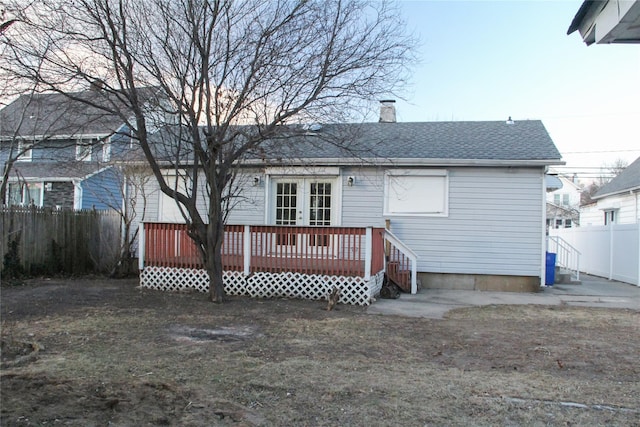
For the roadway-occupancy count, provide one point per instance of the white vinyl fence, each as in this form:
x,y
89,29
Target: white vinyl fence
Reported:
x,y
611,251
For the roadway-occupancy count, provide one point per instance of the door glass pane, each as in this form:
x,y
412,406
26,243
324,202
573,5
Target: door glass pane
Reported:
x,y
286,203
320,203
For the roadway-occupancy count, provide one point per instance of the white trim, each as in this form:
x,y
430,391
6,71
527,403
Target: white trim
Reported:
x,y
141,245
543,241
52,137
77,195
368,250
247,250
416,173
385,161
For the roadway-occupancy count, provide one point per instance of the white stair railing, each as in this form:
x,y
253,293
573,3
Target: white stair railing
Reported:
x,y
409,254
567,256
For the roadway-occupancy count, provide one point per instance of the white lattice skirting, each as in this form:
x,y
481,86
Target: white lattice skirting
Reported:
x,y
354,290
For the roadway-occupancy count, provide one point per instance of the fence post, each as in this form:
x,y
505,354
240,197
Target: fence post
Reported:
x,y
141,243
611,239
246,249
368,243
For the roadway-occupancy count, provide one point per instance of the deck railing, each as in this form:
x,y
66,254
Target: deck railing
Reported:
x,y
347,251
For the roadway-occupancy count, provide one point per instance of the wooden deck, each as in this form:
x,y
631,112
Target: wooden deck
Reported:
x,y
338,251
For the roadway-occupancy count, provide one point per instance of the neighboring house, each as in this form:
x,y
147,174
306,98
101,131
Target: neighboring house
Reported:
x,y
61,151
563,204
608,21
468,198
617,202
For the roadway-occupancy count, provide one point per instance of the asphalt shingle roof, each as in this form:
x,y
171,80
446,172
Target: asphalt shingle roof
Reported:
x,y
54,114
54,170
628,179
463,140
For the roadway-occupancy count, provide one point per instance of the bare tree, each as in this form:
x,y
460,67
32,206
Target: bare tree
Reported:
x,y
217,64
130,203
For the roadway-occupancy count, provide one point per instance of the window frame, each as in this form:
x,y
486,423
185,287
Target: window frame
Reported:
x,y
394,174
610,216
25,194
27,156
80,146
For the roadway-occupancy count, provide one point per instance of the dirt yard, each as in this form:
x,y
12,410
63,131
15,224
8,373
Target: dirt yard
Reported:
x,y
104,352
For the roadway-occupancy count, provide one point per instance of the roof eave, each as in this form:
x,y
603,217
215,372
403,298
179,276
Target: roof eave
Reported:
x,y
617,192
413,162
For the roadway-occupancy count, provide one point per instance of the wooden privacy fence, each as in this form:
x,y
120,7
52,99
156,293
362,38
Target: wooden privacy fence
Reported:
x,y
61,241
339,251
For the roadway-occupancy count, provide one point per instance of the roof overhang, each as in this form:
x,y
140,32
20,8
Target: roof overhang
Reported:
x,y
619,192
411,162
612,21
403,162
54,137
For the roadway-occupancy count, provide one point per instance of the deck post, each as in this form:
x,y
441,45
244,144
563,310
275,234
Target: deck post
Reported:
x,y
141,243
414,276
246,249
368,250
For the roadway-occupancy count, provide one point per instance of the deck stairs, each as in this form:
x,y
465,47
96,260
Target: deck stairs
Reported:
x,y
567,268
401,277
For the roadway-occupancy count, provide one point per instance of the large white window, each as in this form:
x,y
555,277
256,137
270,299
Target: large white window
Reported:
x,y
416,192
25,194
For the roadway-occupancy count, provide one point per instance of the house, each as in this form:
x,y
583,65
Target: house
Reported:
x,y
617,202
608,21
563,203
464,200
61,149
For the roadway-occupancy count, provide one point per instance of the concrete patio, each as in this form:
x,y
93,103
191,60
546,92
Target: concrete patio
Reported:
x,y
435,303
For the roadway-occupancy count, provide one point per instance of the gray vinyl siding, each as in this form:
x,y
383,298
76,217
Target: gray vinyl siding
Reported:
x,y
249,204
362,203
494,223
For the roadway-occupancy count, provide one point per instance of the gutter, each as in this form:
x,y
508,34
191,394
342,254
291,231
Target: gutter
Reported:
x,y
55,137
377,161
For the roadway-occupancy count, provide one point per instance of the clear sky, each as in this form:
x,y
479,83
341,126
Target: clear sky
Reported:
x,y
490,60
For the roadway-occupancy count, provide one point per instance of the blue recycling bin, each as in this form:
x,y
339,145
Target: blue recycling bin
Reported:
x,y
550,276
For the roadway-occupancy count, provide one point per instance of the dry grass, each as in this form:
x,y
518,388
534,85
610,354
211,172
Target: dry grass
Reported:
x,y
115,354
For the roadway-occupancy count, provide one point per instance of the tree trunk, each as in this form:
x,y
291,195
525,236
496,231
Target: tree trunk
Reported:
x,y
213,261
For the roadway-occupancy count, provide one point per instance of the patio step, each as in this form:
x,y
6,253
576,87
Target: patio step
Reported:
x,y
566,277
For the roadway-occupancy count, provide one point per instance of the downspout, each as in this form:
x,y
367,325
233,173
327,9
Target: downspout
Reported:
x,y
124,217
77,195
543,242
638,222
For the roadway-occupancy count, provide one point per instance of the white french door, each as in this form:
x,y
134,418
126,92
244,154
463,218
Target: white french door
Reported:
x,y
303,202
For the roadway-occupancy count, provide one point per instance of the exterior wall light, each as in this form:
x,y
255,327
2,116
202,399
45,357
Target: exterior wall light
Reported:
x,y
350,181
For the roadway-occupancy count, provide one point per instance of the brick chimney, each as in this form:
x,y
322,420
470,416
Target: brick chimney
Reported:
x,y
387,111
